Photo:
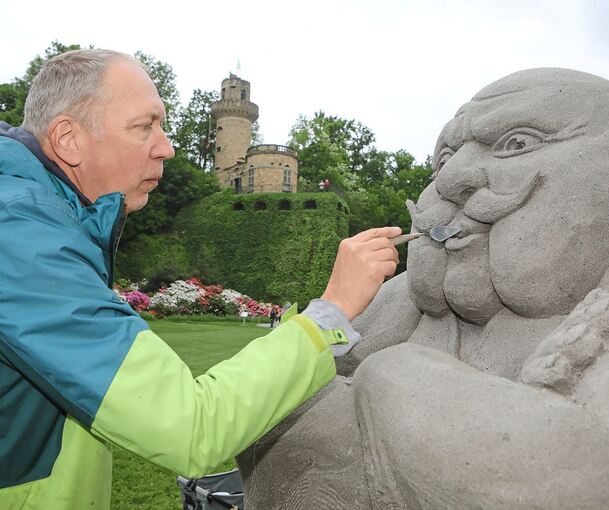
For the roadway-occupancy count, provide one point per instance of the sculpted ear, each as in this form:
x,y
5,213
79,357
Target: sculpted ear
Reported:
x,y
63,137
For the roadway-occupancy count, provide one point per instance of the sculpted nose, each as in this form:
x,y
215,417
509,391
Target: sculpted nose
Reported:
x,y
462,175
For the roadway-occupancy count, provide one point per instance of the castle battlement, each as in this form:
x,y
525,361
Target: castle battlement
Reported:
x,y
269,148
234,108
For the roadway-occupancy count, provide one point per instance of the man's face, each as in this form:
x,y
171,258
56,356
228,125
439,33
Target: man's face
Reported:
x,y
125,148
522,169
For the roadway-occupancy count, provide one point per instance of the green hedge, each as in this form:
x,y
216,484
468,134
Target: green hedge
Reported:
x,y
270,246
264,250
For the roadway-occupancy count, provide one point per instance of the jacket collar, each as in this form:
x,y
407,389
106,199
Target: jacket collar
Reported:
x,y
22,157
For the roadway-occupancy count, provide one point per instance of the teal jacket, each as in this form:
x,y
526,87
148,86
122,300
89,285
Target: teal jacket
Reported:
x,y
80,370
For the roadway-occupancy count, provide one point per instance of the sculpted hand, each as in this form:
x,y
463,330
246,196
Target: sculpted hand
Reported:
x,y
362,264
561,359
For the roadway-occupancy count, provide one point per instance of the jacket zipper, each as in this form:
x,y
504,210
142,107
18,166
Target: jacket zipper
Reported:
x,y
117,230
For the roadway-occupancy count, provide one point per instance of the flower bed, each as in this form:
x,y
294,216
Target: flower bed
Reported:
x,y
192,297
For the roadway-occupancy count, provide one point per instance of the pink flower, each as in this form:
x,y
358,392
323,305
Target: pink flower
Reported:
x,y
137,299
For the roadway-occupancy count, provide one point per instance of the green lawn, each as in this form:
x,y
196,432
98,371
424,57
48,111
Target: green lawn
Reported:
x,y
139,484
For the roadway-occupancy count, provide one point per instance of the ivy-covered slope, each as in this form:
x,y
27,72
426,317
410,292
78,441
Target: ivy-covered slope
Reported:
x,y
276,247
272,246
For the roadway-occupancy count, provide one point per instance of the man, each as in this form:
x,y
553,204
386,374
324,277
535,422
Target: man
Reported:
x,y
482,377
79,369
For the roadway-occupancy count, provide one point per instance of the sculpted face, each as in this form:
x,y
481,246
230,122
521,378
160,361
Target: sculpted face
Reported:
x,y
523,170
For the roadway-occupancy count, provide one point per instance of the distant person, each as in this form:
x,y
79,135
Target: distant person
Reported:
x,y
80,370
273,317
321,185
326,185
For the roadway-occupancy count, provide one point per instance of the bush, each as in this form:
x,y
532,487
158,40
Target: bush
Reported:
x,y
191,298
218,306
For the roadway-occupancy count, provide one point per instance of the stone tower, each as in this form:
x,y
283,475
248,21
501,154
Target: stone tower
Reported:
x,y
234,115
265,168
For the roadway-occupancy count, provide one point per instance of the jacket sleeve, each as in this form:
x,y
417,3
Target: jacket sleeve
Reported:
x,y
96,359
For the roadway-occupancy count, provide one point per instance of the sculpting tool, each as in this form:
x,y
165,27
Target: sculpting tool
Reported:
x,y
438,233
441,233
404,238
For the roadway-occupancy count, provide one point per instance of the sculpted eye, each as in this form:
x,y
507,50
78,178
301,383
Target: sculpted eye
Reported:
x,y
443,157
518,141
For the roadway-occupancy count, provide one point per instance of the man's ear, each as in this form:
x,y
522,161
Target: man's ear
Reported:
x,y
63,138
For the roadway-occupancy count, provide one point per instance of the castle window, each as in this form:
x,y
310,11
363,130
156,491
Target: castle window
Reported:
x,y
287,179
242,94
285,205
310,204
260,206
218,148
238,206
220,128
250,179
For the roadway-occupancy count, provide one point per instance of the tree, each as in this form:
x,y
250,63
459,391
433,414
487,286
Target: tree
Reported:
x,y
12,101
257,137
12,95
321,143
195,132
374,183
164,78
184,183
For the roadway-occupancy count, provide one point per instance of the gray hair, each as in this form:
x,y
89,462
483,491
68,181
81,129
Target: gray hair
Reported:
x,y
67,84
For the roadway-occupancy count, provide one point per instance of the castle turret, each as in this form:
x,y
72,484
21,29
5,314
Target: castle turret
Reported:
x,y
234,115
266,168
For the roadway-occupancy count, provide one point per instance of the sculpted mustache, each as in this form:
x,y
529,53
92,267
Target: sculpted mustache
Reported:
x,y
484,206
438,214
487,206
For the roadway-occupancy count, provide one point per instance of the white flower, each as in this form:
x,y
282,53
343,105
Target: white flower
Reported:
x,y
178,292
231,295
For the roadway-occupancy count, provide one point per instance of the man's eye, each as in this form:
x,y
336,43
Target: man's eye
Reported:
x,y
147,127
518,141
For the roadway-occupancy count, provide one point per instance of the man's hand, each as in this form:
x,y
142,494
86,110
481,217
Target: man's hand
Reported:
x,y
362,264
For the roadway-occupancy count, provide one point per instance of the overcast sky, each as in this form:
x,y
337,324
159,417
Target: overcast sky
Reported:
x,y
400,67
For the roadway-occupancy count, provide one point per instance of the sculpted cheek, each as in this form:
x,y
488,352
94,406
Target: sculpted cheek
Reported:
x,y
426,269
547,256
427,261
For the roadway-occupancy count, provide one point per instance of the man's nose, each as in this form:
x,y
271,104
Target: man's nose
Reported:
x,y
163,149
463,174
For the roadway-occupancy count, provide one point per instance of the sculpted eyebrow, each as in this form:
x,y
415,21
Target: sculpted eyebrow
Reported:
x,y
487,127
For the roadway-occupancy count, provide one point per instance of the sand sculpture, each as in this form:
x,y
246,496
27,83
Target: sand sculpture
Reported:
x,y
482,380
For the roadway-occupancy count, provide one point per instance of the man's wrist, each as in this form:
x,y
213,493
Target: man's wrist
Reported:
x,y
327,296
